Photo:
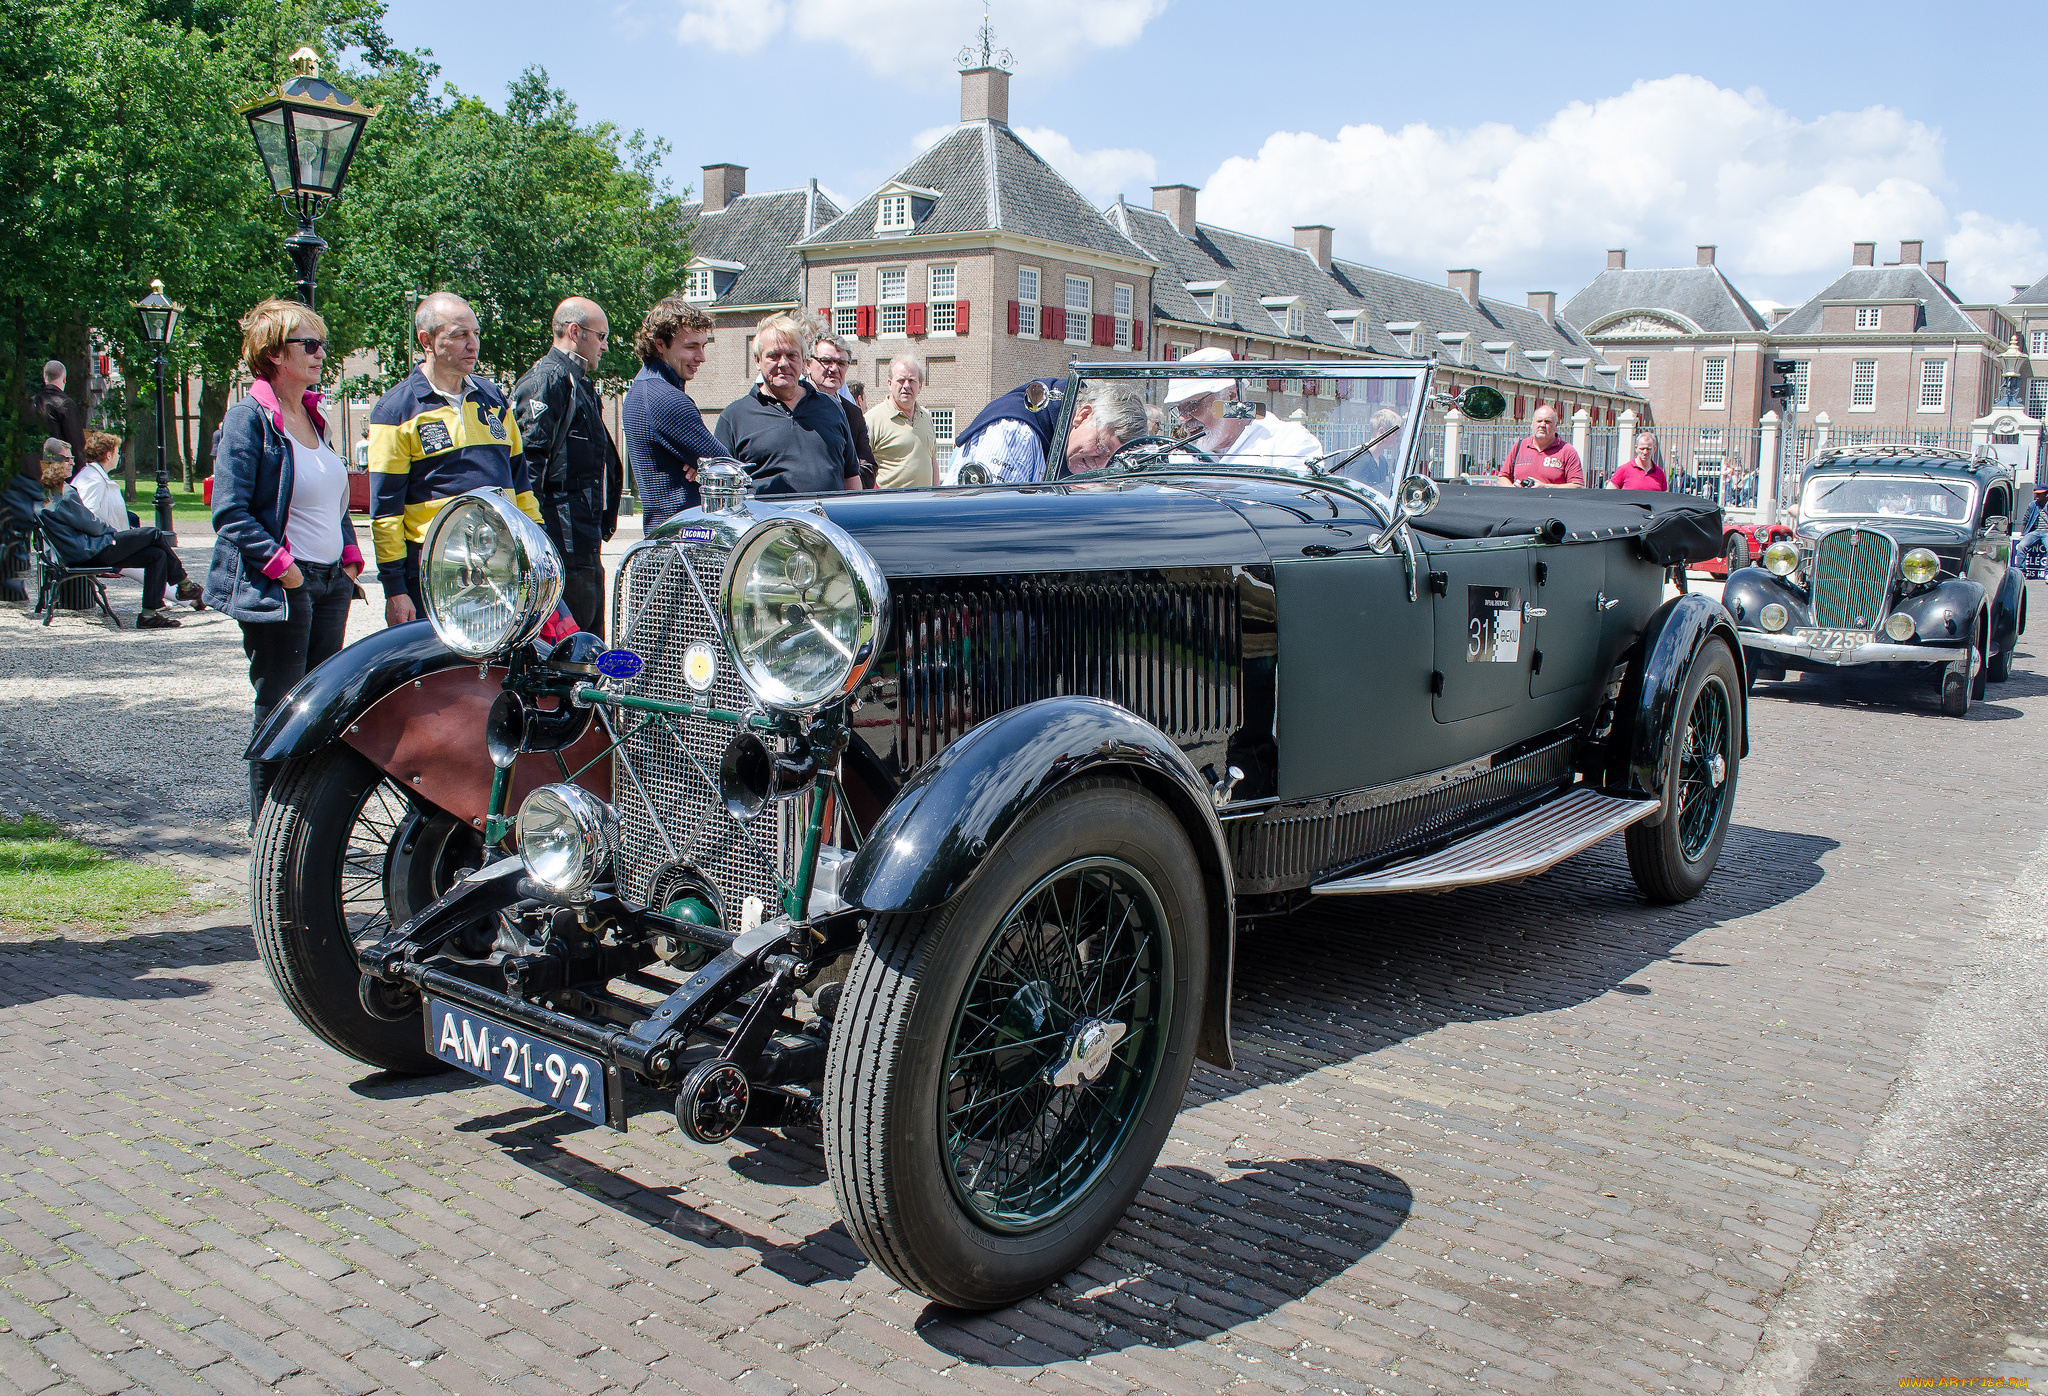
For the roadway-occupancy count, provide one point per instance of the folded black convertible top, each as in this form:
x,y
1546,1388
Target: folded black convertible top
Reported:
x,y
1672,528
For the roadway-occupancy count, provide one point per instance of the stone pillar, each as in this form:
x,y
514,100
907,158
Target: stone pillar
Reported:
x,y
1625,438
1980,438
1767,463
1454,464
1823,428
1582,437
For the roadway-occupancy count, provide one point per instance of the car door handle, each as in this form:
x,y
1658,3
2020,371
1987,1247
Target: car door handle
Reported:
x,y
1531,612
1608,603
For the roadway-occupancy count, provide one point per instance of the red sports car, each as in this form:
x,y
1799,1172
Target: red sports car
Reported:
x,y
1741,545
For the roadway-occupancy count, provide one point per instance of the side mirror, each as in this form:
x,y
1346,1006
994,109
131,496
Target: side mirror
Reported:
x,y
1481,403
1417,495
1998,523
973,473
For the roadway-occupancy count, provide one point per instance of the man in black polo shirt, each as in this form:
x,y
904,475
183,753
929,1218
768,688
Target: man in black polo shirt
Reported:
x,y
791,438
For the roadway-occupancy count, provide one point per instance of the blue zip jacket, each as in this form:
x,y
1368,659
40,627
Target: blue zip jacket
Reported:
x,y
252,494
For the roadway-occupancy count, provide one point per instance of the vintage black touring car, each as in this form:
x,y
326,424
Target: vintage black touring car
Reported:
x,y
935,818
1902,571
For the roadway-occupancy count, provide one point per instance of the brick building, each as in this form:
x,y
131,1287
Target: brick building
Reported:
x,y
2028,313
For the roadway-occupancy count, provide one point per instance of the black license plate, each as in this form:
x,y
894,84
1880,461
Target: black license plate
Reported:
x,y
548,1072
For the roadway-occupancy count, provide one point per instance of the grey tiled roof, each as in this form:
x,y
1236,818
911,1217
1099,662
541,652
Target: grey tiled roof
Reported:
x,y
2036,294
761,231
1701,294
1943,314
988,179
1257,267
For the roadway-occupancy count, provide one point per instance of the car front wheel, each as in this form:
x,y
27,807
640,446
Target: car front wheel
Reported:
x,y
1672,859
1738,552
1004,1071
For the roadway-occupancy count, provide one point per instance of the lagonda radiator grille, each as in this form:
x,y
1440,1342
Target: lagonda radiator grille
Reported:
x,y
1852,573
1167,650
662,602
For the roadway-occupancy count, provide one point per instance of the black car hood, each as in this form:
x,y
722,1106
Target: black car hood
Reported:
x,y
1090,525
1907,533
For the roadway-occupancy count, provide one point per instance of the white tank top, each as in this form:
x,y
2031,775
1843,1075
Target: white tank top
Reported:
x,y
312,530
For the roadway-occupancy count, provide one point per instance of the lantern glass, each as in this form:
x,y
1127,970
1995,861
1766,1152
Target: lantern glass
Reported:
x,y
156,325
274,145
323,144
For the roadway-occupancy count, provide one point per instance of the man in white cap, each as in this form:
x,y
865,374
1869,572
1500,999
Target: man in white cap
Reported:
x,y
1267,440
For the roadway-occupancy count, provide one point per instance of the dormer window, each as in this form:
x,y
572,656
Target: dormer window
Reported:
x,y
1455,342
1403,332
1288,316
697,284
1540,358
706,278
1576,368
1213,299
901,207
1498,351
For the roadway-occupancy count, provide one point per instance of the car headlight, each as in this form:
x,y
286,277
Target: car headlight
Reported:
x,y
1772,616
1919,566
565,835
1782,559
1899,626
804,605
488,574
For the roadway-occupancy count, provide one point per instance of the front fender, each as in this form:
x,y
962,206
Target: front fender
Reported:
x,y
324,702
1749,590
2005,610
1671,642
931,840
1945,613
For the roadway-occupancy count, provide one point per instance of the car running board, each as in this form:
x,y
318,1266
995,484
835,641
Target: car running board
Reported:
x,y
1524,846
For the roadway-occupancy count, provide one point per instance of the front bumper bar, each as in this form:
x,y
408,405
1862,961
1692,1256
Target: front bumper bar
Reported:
x,y
1869,652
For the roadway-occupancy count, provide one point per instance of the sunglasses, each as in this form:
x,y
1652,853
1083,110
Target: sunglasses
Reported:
x,y
311,345
830,363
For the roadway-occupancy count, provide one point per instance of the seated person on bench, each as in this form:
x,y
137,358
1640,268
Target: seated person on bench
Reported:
x,y
82,539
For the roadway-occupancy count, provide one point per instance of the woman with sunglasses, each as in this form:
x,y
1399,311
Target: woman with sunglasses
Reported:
x,y
285,558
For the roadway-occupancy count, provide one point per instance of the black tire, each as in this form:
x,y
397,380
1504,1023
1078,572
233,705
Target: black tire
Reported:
x,y
1672,859
318,875
904,1114
1998,668
1738,552
1958,691
1760,669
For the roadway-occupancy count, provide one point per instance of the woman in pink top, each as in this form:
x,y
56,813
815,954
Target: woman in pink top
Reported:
x,y
1644,472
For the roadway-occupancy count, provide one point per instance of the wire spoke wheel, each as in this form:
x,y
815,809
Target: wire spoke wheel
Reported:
x,y
365,858
1080,976
1703,768
1672,858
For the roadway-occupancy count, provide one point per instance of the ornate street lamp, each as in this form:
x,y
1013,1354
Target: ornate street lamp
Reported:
x,y
306,131
159,317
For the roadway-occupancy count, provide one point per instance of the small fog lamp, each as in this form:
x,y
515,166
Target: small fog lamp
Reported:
x,y
1782,559
1899,626
565,835
1920,566
1772,617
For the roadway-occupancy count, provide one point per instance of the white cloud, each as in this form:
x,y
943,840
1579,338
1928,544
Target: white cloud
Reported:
x,y
1666,165
919,38
1096,173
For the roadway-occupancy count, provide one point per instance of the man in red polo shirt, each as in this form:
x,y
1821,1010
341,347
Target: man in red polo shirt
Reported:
x,y
1544,458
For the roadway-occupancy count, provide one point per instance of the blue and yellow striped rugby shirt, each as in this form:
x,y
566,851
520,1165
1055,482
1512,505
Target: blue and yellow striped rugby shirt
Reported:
x,y
425,450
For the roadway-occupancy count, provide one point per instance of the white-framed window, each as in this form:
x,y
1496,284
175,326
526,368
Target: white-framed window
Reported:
x,y
942,428
1027,302
1866,317
892,287
892,213
1177,352
1714,383
1120,300
942,296
1290,387
845,301
1799,383
697,284
2037,398
1863,386
2038,344
1933,385
1080,300
1224,312
1638,372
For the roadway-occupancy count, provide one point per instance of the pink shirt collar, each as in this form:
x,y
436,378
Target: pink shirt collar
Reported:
x,y
265,394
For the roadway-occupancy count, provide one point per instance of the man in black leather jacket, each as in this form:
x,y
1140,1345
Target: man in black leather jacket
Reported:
x,y
574,464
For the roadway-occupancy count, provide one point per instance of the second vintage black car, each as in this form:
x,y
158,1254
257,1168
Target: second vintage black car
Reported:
x,y
936,818
1901,573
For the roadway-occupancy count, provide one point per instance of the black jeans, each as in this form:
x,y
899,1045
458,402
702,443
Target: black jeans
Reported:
x,y
148,549
583,589
281,651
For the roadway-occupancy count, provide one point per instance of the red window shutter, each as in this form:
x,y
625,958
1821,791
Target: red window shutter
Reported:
x,y
1137,334
867,320
1052,323
1273,385
960,317
1610,416
825,316
1309,387
1013,317
1104,331
1518,407
913,318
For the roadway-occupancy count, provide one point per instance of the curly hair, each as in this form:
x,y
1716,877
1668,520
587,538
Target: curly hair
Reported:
x,y
664,320
265,329
100,446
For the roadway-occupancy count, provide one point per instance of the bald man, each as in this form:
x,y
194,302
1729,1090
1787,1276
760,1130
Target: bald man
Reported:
x,y
577,474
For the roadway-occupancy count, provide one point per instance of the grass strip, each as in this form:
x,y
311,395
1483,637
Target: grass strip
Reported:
x,y
49,883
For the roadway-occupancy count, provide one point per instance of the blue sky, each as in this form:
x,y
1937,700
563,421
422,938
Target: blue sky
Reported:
x,y
1519,141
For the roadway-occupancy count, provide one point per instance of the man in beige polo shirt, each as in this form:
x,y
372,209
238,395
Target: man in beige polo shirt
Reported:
x,y
906,447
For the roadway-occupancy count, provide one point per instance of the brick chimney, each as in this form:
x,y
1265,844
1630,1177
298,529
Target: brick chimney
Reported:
x,y
1314,239
1909,253
1177,201
723,184
1465,281
1939,271
1704,254
1544,303
1863,254
985,95
1617,258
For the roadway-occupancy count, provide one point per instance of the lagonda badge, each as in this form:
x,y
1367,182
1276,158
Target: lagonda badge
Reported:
x,y
700,666
697,533
620,664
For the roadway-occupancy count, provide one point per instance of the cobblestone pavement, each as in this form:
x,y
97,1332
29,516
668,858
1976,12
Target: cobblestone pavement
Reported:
x,y
1542,1138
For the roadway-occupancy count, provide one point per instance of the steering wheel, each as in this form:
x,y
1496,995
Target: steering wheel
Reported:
x,y
1161,448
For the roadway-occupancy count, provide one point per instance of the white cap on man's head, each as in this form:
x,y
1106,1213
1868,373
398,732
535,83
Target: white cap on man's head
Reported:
x,y
1181,389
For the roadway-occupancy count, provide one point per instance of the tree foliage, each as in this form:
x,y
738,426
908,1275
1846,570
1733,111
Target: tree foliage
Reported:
x,y
122,159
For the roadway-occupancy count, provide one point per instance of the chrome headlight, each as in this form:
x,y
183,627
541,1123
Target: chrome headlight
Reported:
x,y
804,605
1899,626
1781,558
1920,566
1772,616
565,835
488,574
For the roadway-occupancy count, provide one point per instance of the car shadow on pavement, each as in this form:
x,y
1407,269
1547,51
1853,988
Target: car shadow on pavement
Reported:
x,y
140,966
1851,692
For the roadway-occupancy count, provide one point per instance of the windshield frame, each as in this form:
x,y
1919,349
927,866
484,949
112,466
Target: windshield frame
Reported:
x,y
1972,499
1419,372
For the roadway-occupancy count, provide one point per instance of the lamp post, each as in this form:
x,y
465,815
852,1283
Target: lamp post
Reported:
x,y
306,132
159,317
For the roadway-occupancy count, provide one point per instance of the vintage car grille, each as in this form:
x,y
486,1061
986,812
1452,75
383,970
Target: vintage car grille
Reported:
x,y
1852,573
658,611
1169,650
